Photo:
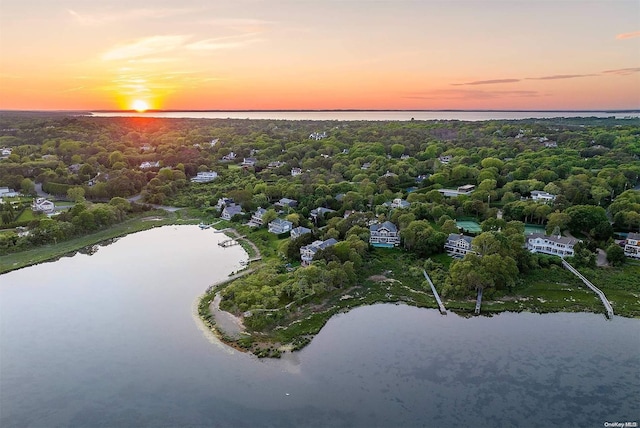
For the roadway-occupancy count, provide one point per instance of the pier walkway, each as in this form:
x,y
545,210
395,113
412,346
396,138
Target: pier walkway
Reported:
x,y
479,301
443,311
605,301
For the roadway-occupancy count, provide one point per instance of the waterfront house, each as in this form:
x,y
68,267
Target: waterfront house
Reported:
x,y
224,202
308,252
458,245
384,235
538,195
43,205
230,210
279,226
204,177
256,218
632,245
299,231
554,245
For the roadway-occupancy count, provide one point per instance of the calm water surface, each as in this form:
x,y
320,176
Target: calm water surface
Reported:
x,y
371,115
111,340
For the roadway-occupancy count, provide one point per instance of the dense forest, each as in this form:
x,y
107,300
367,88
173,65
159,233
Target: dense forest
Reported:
x,y
353,169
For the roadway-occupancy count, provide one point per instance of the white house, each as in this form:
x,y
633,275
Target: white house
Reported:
x,y
317,136
632,245
43,205
296,171
256,218
279,226
231,156
230,210
554,245
205,177
276,164
8,193
399,203
249,162
445,159
538,195
224,202
309,251
299,231
366,165
458,245
384,235
147,165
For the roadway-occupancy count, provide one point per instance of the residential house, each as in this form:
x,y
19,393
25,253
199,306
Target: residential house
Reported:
x,y
405,157
256,218
308,252
276,164
43,205
296,171
229,157
445,159
317,136
213,142
204,177
230,210
384,235
399,203
554,245
249,162
147,165
458,245
632,245
366,165
462,190
8,193
299,231
6,152
320,212
538,195
389,174
224,202
550,144
286,202
279,226
421,178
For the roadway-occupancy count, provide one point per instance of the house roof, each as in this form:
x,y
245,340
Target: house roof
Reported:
x,y
386,225
282,222
634,235
233,209
300,230
554,238
457,237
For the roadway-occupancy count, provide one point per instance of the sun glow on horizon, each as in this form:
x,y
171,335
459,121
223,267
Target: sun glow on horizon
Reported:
x,y
140,106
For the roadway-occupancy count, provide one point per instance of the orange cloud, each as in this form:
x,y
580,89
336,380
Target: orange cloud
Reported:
x,y
628,35
486,82
623,71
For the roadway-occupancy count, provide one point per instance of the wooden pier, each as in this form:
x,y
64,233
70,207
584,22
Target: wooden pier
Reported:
x,y
478,301
443,311
605,301
228,243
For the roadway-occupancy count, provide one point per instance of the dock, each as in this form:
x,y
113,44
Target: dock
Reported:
x,y
607,305
478,301
228,243
443,311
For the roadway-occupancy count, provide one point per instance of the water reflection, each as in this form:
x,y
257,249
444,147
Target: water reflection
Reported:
x,y
112,340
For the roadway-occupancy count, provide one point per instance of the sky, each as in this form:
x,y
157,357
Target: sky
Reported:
x,y
319,54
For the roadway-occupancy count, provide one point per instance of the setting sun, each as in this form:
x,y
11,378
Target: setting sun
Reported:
x,y
140,106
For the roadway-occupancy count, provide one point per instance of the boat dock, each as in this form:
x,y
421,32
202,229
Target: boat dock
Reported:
x,y
443,311
228,243
478,301
605,301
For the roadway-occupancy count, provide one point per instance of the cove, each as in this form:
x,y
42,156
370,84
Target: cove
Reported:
x,y
111,339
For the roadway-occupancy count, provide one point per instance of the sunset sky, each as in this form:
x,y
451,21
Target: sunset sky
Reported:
x,y
320,54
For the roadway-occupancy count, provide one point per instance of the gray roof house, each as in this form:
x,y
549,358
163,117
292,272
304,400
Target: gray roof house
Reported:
x,y
279,226
230,210
458,245
384,235
299,231
554,245
309,251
